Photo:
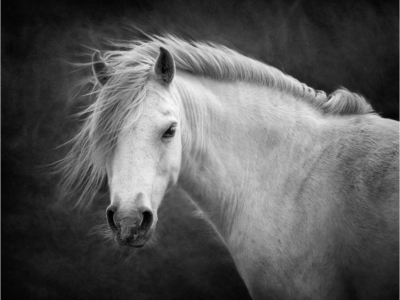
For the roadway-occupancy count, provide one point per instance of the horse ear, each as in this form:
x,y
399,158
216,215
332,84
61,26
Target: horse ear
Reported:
x,y
165,66
99,68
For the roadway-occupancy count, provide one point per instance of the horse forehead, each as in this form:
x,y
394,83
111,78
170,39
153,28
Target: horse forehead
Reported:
x,y
155,116
160,100
159,108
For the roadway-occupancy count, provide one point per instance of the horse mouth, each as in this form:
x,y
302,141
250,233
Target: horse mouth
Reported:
x,y
134,244
137,240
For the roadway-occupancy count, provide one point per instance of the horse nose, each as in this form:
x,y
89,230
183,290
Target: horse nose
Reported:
x,y
110,213
147,219
139,220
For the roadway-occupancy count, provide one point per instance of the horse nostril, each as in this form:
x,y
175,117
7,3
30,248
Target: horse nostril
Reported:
x,y
147,220
110,220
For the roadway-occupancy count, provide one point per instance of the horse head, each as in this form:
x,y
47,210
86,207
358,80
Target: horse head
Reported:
x,y
147,157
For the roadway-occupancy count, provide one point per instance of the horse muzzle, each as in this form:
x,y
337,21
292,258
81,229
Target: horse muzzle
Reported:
x,y
130,229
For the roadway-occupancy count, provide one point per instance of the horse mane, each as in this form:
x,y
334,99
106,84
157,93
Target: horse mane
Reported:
x,y
129,70
221,63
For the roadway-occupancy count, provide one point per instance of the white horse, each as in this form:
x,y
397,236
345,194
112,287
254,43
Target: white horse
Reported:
x,y
301,187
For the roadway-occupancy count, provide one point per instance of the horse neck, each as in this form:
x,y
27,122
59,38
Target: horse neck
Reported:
x,y
241,142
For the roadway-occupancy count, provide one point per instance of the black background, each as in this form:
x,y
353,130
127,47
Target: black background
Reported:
x,y
48,251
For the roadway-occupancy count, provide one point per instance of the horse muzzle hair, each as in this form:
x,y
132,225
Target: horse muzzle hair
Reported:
x,y
130,228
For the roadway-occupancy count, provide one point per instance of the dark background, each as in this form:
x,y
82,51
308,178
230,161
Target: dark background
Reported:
x,y
49,251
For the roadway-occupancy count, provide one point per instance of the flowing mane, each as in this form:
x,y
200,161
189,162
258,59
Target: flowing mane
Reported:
x,y
129,70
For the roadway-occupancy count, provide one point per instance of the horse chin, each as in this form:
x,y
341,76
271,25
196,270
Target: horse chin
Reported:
x,y
138,242
134,244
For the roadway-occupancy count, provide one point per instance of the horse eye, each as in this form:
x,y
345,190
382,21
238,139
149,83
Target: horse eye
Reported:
x,y
170,132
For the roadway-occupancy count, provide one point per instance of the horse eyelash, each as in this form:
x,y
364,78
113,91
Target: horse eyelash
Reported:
x,y
170,128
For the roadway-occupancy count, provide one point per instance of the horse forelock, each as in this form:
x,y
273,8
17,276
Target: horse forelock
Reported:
x,y
84,167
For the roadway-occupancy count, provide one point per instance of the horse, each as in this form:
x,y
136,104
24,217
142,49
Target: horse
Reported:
x,y
301,187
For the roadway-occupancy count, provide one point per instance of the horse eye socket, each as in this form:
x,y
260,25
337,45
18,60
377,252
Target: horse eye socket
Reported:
x,y
170,132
